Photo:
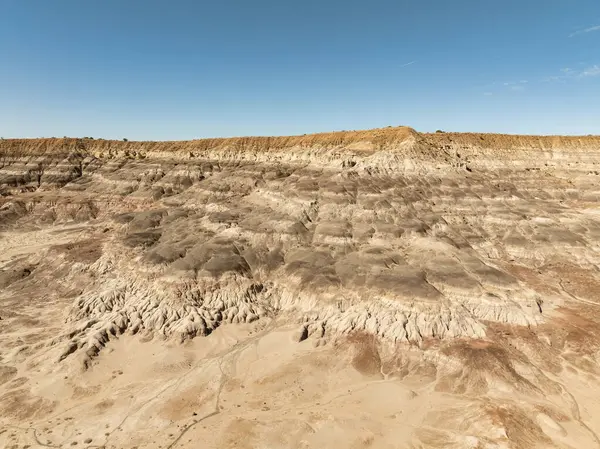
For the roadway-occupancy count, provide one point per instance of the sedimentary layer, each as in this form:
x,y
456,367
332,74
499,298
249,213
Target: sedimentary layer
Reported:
x,y
400,234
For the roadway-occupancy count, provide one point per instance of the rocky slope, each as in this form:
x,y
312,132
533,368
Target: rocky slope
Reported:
x,y
478,251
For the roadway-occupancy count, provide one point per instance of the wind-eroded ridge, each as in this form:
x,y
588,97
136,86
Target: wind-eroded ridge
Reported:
x,y
367,140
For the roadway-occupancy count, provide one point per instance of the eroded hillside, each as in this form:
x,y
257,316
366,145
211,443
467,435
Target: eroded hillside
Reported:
x,y
379,288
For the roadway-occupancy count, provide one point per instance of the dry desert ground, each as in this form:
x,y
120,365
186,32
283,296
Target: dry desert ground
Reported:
x,y
374,289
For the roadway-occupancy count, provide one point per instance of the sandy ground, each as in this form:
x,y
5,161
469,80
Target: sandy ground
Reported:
x,y
255,385
242,386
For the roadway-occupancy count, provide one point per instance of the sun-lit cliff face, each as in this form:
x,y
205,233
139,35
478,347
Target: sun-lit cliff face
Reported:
x,y
456,275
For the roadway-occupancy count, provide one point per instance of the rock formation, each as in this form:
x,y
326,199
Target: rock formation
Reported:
x,y
467,248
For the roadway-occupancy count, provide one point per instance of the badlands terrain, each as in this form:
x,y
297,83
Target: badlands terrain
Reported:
x,y
373,289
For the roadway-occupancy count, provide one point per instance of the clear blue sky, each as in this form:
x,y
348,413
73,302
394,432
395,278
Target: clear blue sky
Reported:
x,y
181,69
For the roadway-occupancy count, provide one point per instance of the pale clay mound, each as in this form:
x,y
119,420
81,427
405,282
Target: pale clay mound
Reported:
x,y
382,288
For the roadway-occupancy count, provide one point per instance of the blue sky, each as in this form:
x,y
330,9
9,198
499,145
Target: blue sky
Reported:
x,y
182,69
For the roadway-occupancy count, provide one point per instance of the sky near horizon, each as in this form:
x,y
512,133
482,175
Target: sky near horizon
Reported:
x,y
184,69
